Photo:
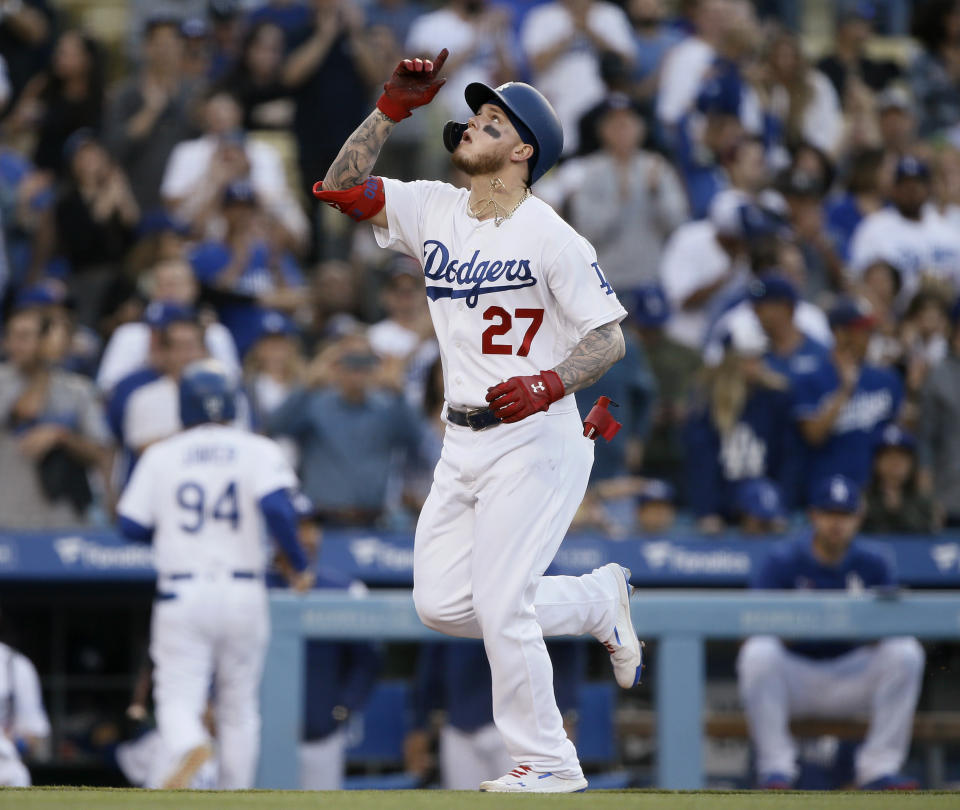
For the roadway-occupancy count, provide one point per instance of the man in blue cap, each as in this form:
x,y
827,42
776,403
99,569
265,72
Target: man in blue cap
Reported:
x,y
842,404
780,679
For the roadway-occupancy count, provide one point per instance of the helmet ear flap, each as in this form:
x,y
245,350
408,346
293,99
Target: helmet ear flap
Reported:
x,y
452,133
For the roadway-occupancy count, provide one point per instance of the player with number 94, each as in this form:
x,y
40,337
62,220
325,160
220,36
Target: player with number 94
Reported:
x,y
202,496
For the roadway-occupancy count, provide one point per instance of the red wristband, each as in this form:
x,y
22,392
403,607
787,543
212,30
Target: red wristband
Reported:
x,y
391,108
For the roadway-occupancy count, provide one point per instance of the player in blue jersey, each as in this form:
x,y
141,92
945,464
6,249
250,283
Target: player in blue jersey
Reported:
x,y
843,404
780,679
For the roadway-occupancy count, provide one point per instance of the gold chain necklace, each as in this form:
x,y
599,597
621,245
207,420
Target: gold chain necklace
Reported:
x,y
498,216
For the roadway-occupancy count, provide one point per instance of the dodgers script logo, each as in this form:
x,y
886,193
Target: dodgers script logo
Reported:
x,y
474,277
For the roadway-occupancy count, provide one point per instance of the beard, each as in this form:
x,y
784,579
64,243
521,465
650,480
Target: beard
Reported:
x,y
477,165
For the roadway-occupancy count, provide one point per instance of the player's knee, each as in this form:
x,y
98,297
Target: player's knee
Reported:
x,y
904,655
430,609
760,657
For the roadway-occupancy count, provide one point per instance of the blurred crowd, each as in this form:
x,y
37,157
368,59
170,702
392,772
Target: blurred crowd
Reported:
x,y
779,212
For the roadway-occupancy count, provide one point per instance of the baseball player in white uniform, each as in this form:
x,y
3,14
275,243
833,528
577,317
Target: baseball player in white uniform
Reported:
x,y
524,318
23,721
203,496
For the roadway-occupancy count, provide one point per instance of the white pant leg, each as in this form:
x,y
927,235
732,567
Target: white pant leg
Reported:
x,y
529,490
881,680
896,674
468,758
323,762
443,545
182,654
244,623
13,773
575,606
762,678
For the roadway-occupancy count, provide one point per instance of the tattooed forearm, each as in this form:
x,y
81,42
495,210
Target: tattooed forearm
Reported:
x,y
359,153
591,357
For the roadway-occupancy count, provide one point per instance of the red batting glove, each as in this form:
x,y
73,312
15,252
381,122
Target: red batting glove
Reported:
x,y
520,397
413,84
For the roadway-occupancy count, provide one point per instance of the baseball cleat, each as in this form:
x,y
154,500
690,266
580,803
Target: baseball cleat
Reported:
x,y
774,781
192,762
626,650
523,779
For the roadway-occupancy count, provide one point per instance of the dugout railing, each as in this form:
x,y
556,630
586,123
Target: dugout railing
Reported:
x,y
680,621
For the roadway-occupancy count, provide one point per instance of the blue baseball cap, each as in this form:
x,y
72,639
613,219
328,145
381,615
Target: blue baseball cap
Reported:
x,y
194,28
719,95
76,141
276,323
159,221
734,214
656,491
50,292
852,312
760,498
159,314
650,306
911,168
836,494
772,287
895,436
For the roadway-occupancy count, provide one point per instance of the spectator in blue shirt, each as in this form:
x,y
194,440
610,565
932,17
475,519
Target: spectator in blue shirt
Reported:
x,y
830,678
738,432
844,404
349,429
246,274
844,211
791,352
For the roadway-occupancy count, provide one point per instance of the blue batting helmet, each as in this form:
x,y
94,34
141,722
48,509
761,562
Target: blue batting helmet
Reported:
x,y
531,115
207,394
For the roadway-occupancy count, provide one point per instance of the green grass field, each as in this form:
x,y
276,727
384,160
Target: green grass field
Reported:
x,y
95,799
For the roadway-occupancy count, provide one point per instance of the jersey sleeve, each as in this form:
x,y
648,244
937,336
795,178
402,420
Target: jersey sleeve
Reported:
x,y
584,295
138,498
404,222
271,470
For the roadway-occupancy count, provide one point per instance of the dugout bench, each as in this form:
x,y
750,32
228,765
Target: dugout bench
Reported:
x,y
681,621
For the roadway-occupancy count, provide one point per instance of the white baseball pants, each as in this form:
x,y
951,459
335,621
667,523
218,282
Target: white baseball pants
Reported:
x,y
880,680
468,758
13,773
501,501
214,632
323,762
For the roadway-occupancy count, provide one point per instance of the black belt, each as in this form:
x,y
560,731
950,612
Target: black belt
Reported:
x,y
475,418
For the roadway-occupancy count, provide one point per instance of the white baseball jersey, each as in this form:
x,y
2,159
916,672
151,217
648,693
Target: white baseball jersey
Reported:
x,y
928,246
505,300
200,490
